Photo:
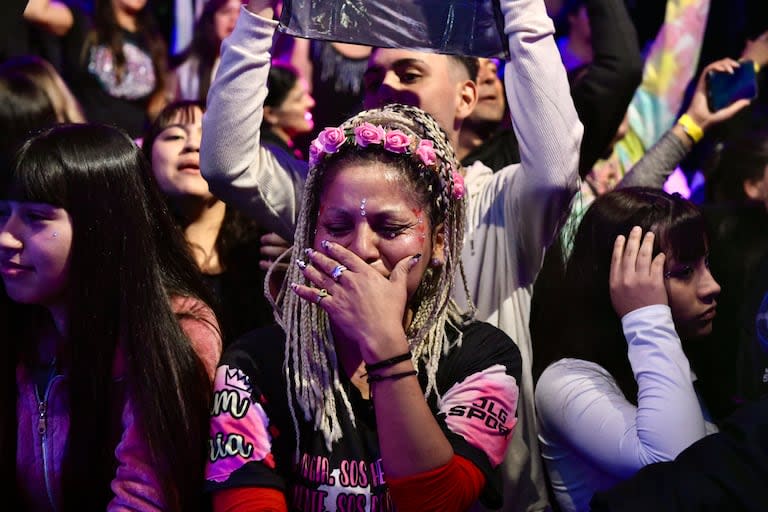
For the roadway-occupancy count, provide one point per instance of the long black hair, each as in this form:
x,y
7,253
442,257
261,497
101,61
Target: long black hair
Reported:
x,y
25,109
580,320
739,159
237,243
106,31
206,45
127,260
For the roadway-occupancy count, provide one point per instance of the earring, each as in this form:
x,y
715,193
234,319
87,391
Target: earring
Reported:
x,y
435,262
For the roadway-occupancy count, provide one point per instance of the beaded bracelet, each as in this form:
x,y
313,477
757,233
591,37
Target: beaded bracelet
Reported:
x,y
386,363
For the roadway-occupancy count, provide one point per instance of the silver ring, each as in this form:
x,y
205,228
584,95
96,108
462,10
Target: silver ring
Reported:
x,y
323,293
337,271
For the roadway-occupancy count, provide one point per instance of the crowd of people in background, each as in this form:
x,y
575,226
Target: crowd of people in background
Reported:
x,y
245,271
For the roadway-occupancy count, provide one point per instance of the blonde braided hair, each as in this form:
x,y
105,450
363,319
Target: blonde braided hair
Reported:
x,y
310,365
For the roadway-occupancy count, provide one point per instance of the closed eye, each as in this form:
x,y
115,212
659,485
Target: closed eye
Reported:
x,y
35,216
337,230
683,273
391,232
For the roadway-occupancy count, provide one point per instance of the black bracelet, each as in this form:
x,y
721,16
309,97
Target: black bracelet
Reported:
x,y
394,376
392,361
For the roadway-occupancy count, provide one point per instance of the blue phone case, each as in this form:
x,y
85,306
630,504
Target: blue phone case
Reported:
x,y
725,88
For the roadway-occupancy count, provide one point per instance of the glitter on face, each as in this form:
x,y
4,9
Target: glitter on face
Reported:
x,y
362,207
420,226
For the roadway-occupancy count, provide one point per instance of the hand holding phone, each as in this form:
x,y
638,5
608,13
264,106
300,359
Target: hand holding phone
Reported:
x,y
702,111
724,88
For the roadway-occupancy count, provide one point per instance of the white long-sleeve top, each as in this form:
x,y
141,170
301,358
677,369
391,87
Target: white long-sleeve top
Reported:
x,y
592,437
513,214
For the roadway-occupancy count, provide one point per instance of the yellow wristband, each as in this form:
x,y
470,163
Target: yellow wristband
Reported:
x,y
691,128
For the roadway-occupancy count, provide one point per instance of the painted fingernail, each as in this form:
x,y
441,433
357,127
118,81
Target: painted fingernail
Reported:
x,y
301,264
325,244
294,286
308,251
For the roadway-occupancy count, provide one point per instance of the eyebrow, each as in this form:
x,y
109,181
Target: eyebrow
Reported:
x,y
34,205
399,63
389,212
177,125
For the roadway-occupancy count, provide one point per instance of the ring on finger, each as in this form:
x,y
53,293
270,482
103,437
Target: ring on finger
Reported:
x,y
321,294
337,271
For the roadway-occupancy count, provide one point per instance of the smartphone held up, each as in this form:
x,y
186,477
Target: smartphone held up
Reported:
x,y
724,88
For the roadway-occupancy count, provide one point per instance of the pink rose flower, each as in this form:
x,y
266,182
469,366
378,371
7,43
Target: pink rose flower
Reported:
x,y
331,139
396,141
426,152
368,133
458,185
315,152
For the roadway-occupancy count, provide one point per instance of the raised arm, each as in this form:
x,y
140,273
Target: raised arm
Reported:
x,y
602,94
266,186
659,162
53,16
538,194
581,401
669,67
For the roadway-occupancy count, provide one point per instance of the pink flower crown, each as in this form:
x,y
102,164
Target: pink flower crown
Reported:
x,y
331,139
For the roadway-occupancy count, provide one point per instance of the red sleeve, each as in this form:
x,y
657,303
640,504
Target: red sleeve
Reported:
x,y
198,322
455,486
250,499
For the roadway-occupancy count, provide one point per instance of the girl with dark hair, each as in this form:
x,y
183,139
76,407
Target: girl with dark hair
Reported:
x,y
194,75
111,346
45,76
287,110
25,108
224,244
731,370
374,369
116,62
615,388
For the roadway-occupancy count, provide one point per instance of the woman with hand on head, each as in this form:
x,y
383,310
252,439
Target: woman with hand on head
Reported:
x,y
104,329
376,391
615,388
224,244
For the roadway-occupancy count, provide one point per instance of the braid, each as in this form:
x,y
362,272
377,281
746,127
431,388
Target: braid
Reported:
x,y
311,366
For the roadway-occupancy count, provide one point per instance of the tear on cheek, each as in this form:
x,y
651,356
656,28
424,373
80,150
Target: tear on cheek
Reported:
x,y
413,241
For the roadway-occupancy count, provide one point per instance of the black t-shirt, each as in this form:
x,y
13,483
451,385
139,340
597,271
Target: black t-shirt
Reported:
x,y
90,72
253,437
239,291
